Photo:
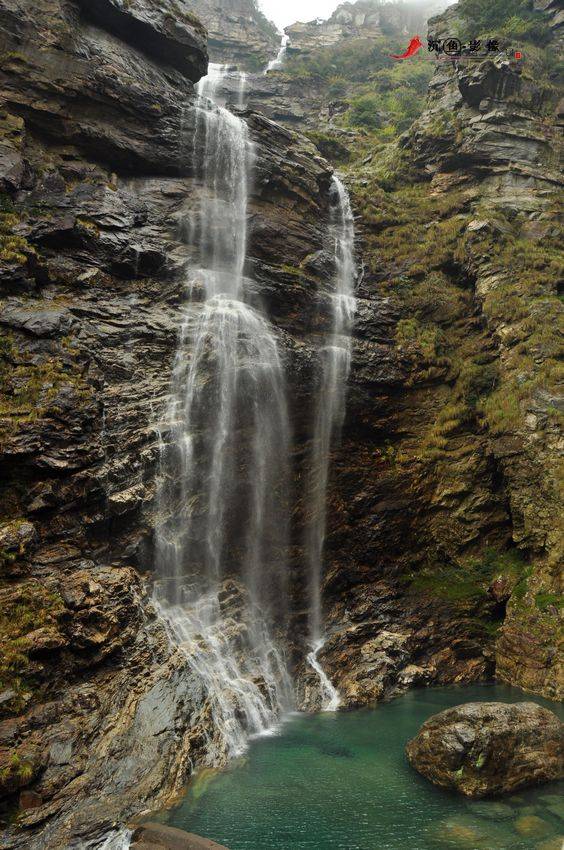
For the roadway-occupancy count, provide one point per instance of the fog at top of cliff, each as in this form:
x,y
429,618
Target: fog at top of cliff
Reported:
x,y
286,12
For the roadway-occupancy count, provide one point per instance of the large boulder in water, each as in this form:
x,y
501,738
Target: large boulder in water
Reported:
x,y
489,748
157,836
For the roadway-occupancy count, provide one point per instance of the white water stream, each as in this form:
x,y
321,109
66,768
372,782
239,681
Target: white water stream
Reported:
x,y
335,358
222,495
277,63
222,490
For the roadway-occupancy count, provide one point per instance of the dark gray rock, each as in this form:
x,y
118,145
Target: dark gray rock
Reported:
x,y
174,36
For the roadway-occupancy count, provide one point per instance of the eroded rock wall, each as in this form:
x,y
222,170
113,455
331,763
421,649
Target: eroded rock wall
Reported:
x,y
101,714
239,33
445,558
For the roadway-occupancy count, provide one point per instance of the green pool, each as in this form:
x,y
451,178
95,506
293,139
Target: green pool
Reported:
x,y
341,782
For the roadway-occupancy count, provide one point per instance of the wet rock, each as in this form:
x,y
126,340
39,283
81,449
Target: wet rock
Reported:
x,y
170,838
462,831
494,811
485,749
16,539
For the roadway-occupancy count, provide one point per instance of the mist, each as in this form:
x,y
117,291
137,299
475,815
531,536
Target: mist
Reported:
x,y
286,12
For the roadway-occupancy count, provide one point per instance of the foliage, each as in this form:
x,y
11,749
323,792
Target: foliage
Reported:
x,y
381,97
351,60
544,601
510,18
364,111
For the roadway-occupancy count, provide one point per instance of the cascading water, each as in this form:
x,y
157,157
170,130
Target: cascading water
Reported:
x,y
224,82
277,63
242,89
335,355
221,539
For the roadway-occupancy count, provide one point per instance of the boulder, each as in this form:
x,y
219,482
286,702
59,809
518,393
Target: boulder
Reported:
x,y
489,748
158,835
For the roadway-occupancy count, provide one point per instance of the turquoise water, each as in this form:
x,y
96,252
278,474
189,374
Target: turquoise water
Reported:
x,y
341,782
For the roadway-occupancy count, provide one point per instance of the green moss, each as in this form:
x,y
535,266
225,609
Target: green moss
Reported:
x,y
469,580
426,337
13,248
329,146
23,609
522,585
17,770
545,601
28,389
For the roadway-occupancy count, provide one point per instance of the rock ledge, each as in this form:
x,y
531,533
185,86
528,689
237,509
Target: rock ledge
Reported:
x,y
157,836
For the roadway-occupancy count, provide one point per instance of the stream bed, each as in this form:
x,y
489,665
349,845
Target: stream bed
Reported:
x,y
341,782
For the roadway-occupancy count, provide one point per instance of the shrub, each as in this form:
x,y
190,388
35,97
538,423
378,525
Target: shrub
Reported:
x,y
364,111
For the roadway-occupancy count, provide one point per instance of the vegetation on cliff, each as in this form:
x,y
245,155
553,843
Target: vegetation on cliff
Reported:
x,y
472,264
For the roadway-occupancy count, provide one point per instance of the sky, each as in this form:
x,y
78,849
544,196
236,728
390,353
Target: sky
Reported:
x,y
286,12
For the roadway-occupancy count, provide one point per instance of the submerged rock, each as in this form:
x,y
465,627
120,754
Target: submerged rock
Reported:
x,y
531,826
483,749
464,831
156,835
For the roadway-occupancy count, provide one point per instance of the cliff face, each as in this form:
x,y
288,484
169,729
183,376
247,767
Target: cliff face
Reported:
x,y
445,559
96,157
238,32
443,553
366,19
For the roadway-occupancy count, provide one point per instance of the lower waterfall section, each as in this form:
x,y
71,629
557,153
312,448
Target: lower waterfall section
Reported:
x,y
221,539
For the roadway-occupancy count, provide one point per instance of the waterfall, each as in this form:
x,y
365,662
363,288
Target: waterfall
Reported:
x,y
335,357
222,490
242,89
277,63
221,82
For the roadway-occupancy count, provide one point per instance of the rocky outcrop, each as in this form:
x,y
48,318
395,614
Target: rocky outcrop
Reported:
x,y
238,32
366,19
486,749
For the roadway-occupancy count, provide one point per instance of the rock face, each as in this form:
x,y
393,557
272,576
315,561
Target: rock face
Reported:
x,y
364,19
487,749
96,148
239,34
444,558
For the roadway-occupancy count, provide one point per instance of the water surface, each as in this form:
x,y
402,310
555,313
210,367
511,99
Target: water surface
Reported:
x,y
341,782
